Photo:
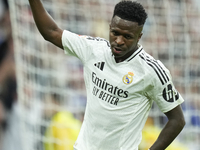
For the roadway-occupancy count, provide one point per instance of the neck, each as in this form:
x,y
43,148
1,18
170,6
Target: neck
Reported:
x,y
121,59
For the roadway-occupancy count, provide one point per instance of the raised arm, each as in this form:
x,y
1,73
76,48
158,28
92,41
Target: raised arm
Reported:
x,y
45,23
171,130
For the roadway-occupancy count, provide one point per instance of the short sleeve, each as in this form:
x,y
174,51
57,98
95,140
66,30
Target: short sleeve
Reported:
x,y
77,45
163,91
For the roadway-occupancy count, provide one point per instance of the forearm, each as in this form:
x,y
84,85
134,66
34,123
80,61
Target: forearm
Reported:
x,y
168,134
43,20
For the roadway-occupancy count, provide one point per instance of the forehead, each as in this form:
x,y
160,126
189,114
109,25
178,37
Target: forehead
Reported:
x,y
122,24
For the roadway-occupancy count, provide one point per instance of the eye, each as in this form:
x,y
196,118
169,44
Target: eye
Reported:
x,y
127,36
115,33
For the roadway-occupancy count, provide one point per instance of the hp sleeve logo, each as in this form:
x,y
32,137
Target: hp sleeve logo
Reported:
x,y
170,94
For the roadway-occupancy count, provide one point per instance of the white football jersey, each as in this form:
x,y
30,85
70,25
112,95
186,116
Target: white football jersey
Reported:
x,y
119,95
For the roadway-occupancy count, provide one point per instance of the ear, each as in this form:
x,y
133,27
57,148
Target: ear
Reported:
x,y
140,36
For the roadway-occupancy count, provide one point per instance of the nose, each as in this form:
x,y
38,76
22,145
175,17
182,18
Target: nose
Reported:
x,y
119,40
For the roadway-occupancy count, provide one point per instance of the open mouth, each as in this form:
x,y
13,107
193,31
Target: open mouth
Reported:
x,y
117,50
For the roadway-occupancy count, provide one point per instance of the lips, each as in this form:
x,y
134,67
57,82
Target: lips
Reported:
x,y
117,50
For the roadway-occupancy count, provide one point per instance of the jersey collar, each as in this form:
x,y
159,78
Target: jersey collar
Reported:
x,y
140,48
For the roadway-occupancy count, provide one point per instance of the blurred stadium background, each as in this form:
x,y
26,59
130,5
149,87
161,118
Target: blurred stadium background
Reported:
x,y
42,92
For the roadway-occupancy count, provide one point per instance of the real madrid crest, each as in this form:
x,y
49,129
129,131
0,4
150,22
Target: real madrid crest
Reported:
x,y
128,78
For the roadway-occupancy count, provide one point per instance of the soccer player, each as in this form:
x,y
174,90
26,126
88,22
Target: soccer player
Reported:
x,y
121,79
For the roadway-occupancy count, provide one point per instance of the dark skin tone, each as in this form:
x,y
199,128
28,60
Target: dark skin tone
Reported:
x,y
174,126
124,37
45,23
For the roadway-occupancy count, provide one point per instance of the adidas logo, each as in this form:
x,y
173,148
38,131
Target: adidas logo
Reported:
x,y
100,65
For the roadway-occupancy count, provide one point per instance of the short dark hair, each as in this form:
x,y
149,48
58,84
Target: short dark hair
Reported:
x,y
131,11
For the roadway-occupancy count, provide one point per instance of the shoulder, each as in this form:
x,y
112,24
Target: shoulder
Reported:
x,y
98,40
100,46
154,68
70,36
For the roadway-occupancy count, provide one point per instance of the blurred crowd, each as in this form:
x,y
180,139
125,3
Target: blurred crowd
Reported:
x,y
171,34
8,94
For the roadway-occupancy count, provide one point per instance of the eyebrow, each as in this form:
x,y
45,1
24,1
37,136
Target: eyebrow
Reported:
x,y
114,29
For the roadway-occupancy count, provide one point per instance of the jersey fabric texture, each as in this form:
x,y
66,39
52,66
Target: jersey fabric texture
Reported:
x,y
119,95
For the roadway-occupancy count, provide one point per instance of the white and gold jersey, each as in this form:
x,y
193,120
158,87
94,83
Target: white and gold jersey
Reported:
x,y
119,95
